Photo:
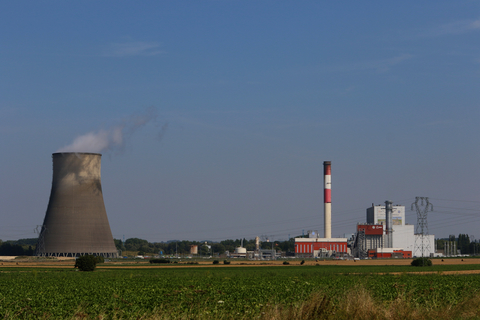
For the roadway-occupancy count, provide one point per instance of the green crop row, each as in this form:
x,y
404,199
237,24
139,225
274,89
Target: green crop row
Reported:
x,y
204,292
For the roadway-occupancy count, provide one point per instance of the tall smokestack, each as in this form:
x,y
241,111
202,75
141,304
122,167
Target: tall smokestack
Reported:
x,y
76,221
389,218
327,195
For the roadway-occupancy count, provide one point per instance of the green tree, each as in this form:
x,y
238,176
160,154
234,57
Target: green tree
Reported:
x,y
205,250
86,263
218,248
119,244
134,244
421,262
463,243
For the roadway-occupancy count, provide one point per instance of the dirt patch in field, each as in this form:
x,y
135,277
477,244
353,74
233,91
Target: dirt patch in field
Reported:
x,y
279,263
69,263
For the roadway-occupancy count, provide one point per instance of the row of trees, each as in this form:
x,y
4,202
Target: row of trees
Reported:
x,y
26,247
17,248
463,243
183,247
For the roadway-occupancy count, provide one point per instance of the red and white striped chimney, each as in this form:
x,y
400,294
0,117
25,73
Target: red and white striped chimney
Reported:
x,y
327,179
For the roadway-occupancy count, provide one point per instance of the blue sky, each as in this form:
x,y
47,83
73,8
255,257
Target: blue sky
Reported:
x,y
244,101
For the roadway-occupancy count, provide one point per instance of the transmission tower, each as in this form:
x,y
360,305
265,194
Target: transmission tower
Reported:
x,y
472,239
40,249
422,206
360,249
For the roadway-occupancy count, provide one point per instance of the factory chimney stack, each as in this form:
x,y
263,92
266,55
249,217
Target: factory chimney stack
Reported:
x,y
388,218
327,179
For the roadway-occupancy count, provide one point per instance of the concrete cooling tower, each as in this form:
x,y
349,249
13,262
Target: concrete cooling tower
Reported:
x,y
76,221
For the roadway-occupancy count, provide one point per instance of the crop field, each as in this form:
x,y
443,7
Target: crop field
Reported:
x,y
282,292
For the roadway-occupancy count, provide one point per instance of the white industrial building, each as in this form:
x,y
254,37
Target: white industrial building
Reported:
x,y
403,235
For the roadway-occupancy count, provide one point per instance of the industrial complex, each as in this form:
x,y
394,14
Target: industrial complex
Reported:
x,y
76,222
384,234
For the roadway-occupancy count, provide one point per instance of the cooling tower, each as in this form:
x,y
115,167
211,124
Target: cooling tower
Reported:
x,y
76,222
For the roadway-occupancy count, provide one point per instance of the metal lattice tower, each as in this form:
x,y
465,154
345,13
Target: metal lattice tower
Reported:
x,y
41,230
360,248
422,206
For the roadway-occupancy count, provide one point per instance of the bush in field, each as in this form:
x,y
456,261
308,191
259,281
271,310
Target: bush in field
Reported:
x,y
86,263
420,262
303,261
286,262
215,262
99,259
159,260
226,262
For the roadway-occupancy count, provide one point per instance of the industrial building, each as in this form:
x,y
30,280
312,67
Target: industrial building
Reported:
x,y
76,221
386,228
388,253
320,247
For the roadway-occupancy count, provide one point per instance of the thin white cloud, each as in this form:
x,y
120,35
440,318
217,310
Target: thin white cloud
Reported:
x,y
440,123
457,27
128,49
380,65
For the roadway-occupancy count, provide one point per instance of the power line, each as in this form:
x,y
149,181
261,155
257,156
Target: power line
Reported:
x,y
456,200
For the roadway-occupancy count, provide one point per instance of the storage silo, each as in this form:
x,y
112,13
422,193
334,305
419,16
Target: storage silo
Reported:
x,y
193,249
76,221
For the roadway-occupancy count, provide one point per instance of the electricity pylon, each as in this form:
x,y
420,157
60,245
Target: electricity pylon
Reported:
x,y
422,209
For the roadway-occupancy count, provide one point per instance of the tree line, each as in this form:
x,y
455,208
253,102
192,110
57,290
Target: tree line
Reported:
x,y
26,247
464,244
22,247
183,246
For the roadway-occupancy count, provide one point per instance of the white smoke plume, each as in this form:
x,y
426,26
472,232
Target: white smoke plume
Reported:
x,y
114,138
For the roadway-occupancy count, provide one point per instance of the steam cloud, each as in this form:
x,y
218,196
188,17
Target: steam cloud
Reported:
x,y
114,138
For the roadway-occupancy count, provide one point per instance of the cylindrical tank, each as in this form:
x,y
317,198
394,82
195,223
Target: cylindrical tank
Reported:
x,y
193,249
240,250
76,221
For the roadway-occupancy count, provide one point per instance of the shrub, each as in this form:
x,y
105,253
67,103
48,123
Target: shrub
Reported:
x,y
99,259
226,262
215,262
159,260
420,262
286,262
303,261
86,263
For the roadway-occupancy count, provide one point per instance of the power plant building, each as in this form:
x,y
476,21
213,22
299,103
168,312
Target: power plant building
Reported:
x,y
403,238
76,221
320,247
402,235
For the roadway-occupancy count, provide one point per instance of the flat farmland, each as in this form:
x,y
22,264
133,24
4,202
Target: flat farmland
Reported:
x,y
381,289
